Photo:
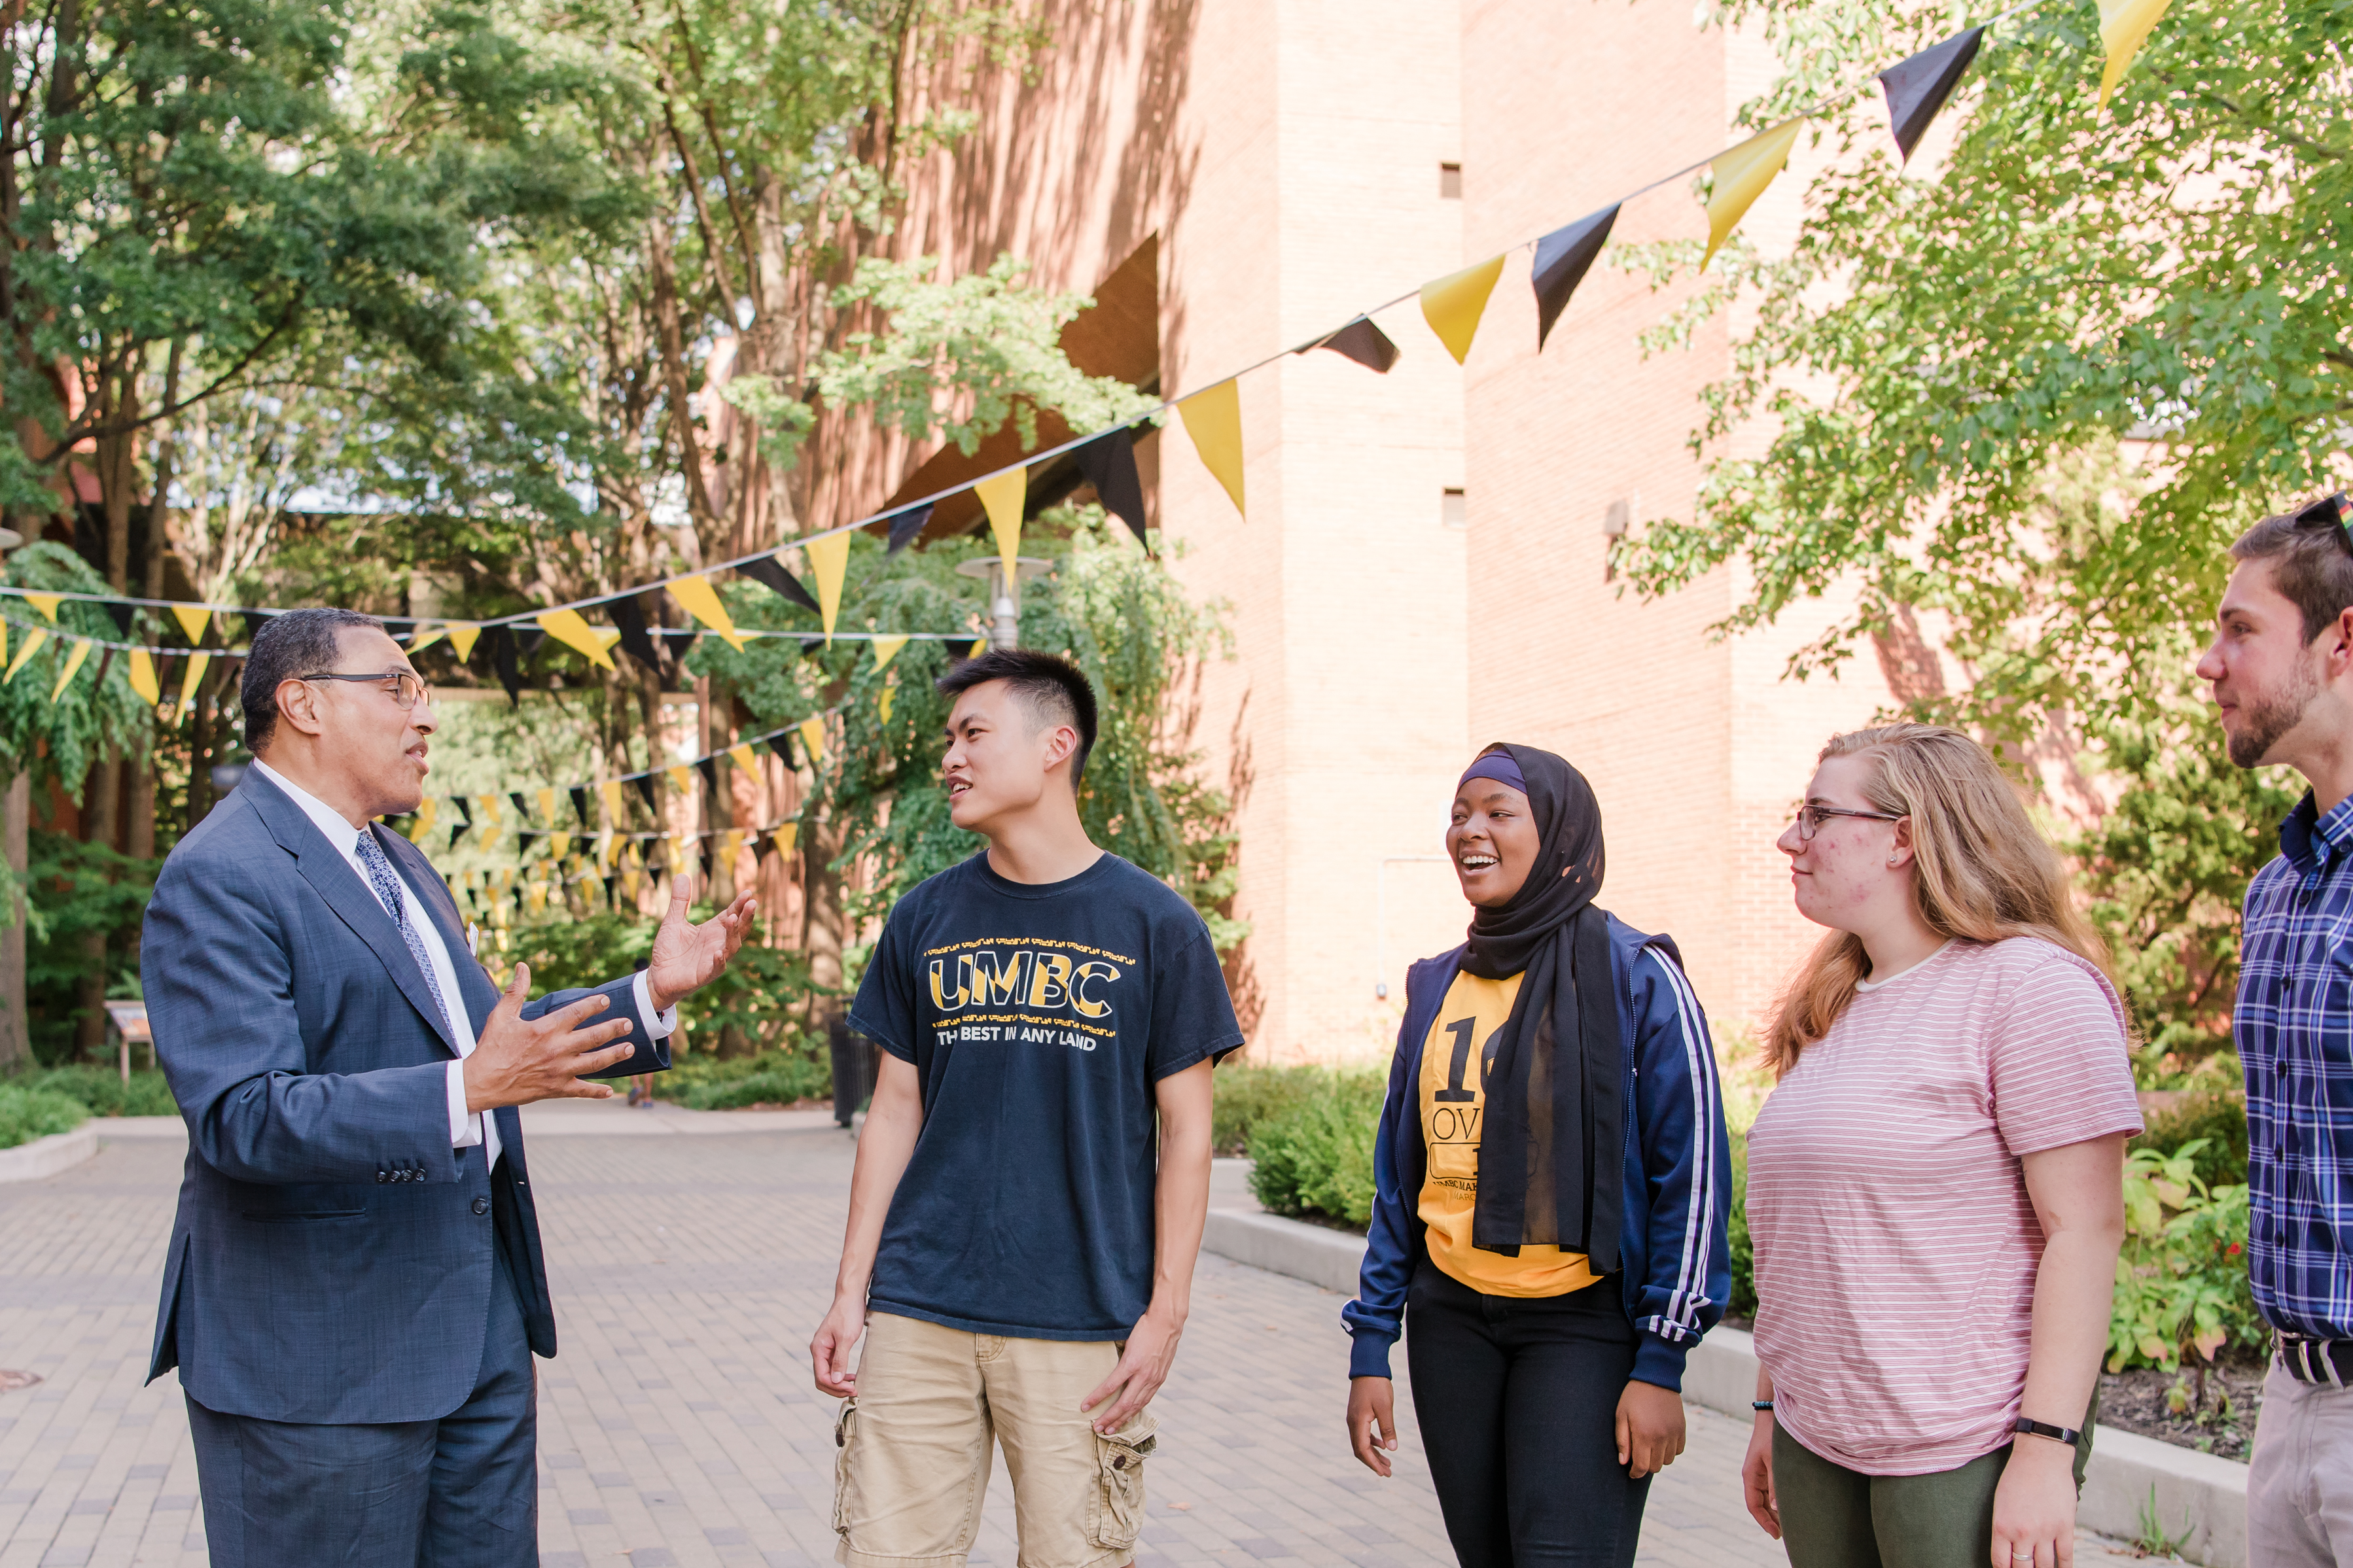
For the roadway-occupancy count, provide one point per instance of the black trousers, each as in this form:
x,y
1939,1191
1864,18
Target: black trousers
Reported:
x,y
1518,1406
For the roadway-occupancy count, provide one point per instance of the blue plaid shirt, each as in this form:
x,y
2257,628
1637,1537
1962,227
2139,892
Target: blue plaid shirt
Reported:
x,y
2295,1030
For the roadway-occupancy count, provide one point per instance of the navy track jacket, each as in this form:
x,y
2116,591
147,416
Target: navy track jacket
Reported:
x,y
1677,1165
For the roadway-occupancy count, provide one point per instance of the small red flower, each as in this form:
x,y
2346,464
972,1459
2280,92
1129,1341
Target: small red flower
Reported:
x,y
2231,1250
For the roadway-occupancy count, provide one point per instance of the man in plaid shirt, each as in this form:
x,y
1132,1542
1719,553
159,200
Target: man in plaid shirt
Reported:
x,y
2282,670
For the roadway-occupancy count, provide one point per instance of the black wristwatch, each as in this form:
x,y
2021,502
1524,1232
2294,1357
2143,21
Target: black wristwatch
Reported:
x,y
2067,1435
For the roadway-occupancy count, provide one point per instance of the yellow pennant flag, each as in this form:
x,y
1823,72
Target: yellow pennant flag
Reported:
x,y
886,649
611,790
829,558
33,641
142,674
1454,304
702,602
680,782
1213,417
423,824
890,690
463,636
559,845
2123,25
490,837
569,628
785,837
1003,495
189,681
73,666
606,845
1742,174
743,757
490,808
193,619
630,883
730,844
546,798
424,638
46,603
4,642
813,737
979,646
606,637
537,895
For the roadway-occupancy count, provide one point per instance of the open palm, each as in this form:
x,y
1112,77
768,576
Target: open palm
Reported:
x,y
686,956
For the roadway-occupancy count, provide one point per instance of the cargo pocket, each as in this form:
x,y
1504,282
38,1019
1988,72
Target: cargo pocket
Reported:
x,y
845,1432
1119,1496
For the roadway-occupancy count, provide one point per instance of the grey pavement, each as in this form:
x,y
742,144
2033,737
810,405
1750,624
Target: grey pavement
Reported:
x,y
678,1425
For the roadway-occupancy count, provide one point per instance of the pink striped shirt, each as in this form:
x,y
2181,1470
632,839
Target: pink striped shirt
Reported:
x,y
1896,1247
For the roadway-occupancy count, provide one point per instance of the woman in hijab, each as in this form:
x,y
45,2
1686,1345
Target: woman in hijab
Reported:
x,y
1551,1195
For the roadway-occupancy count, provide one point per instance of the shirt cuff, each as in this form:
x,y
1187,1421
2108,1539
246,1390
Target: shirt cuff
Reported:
x,y
465,1127
658,1025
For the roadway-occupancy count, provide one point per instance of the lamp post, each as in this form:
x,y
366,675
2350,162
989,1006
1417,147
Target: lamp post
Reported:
x,y
1004,603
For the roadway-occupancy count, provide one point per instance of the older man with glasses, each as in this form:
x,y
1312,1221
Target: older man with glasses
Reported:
x,y
354,1287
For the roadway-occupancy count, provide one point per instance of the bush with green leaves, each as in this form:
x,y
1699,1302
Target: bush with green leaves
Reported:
x,y
27,1114
1247,1096
102,1091
2182,1280
730,1083
1317,1158
1742,1300
2215,1126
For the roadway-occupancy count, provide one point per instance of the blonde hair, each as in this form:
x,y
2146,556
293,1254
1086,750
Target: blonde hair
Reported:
x,y
1981,871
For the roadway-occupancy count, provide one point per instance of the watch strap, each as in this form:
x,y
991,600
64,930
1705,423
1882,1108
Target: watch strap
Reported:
x,y
2067,1435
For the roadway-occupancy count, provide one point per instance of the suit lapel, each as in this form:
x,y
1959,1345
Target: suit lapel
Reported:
x,y
355,902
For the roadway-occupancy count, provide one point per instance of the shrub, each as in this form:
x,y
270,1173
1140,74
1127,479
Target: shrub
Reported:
x,y
1247,1096
29,1113
2182,1280
103,1092
1742,1302
2216,1121
1317,1158
773,1078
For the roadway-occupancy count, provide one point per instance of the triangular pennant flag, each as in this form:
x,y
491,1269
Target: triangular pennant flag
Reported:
x,y
769,572
546,798
1109,463
906,526
710,771
559,845
523,841
743,757
730,844
490,837
979,646
886,649
461,638
4,642
580,806
424,638
812,731
254,621
1454,304
681,783
522,812
33,641
191,678
504,663
457,832
2123,25
1213,418
490,805
119,613
828,559
465,812
890,690
193,619
1003,497
1742,174
702,602
73,666
527,639
635,642
422,823
1363,341
1563,257
573,630
142,676
785,838
611,790
1917,86
645,782
46,603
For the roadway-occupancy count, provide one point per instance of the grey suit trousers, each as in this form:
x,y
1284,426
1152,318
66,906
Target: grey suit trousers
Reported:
x,y
458,1492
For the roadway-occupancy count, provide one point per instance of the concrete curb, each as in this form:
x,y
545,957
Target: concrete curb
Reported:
x,y
48,1156
2196,1495
561,1119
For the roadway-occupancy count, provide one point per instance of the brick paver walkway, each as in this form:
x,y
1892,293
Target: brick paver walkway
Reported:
x,y
679,1426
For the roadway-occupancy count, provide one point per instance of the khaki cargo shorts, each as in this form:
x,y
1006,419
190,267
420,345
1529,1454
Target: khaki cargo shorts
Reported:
x,y
914,1450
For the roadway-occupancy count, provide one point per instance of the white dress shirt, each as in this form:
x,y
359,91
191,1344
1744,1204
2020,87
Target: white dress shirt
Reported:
x,y
467,1129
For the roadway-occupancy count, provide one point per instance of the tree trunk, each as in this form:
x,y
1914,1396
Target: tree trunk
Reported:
x,y
100,814
822,920
15,1032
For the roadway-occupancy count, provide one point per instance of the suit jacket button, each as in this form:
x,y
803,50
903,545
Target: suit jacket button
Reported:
x,y
380,1178
481,1205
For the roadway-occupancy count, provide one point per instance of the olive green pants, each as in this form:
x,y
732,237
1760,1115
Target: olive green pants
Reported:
x,y
1832,1517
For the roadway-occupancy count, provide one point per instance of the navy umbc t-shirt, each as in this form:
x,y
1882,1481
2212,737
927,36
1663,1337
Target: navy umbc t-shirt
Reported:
x,y
1039,1018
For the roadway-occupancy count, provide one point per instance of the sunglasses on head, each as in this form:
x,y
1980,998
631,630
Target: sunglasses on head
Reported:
x,y
2334,513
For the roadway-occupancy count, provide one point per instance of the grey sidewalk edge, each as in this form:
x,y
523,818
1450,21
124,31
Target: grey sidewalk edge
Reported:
x,y
2192,1495
48,1156
600,1119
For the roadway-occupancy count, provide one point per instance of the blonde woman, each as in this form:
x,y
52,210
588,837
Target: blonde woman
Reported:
x,y
1935,1186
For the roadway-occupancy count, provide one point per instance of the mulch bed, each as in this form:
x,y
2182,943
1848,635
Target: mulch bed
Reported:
x,y
2138,1401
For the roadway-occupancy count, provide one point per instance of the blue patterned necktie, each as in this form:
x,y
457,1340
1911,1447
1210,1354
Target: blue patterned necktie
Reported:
x,y
387,887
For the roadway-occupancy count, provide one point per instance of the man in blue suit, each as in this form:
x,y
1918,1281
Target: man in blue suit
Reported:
x,y
355,1286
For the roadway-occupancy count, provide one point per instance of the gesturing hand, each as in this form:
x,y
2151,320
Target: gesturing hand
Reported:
x,y
688,957
518,1060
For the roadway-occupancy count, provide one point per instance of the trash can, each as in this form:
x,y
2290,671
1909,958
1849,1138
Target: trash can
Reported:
x,y
853,1074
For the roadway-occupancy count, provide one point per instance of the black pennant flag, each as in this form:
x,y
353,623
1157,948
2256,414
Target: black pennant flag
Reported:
x,y
645,782
709,769
1918,87
905,525
675,642
631,622
527,639
254,621
1362,341
580,805
769,571
523,841
522,812
121,614
502,660
1563,257
1109,463
613,892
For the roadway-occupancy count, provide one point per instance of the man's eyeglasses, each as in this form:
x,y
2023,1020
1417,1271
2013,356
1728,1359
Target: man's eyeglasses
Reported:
x,y
2334,513
1810,818
406,691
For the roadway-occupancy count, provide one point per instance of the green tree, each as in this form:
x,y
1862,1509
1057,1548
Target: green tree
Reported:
x,y
2039,391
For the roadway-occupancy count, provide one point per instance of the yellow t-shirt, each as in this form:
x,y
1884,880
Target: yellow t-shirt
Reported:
x,y
1454,1059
